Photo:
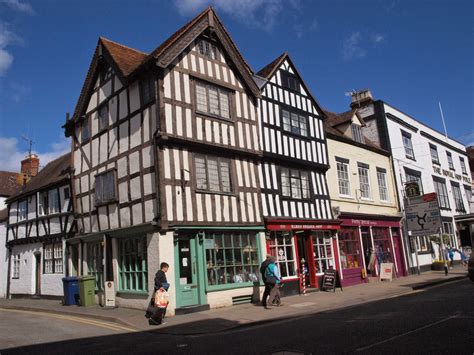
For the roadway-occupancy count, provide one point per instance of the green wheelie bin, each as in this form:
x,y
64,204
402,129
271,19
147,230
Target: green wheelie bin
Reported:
x,y
87,290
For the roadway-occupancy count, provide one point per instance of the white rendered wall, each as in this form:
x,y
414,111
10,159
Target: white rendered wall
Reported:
x,y
3,260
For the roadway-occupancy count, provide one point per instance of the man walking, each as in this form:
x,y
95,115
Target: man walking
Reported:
x,y
153,312
269,278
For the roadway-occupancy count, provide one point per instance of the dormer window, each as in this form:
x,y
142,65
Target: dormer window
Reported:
x,y
357,133
289,81
207,48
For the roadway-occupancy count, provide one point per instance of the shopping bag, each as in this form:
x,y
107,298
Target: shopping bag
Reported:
x,y
161,299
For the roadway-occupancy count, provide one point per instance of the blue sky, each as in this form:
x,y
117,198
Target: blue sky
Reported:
x,y
409,53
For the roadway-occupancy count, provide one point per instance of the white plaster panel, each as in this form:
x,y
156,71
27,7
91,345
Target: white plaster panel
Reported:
x,y
123,137
122,169
135,131
123,104
123,192
147,156
135,190
134,97
137,214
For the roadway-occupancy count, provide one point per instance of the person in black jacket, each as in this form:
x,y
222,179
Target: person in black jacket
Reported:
x,y
154,313
268,286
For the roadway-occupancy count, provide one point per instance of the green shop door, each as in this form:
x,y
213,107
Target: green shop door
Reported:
x,y
187,275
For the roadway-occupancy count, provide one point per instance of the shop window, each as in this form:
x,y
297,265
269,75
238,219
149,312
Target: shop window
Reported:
x,y
450,160
382,246
133,274
364,180
105,190
95,265
22,210
213,173
295,183
457,197
282,248
343,177
406,138
16,266
53,258
323,255
382,181
449,230
442,192
294,123
349,248
212,100
231,258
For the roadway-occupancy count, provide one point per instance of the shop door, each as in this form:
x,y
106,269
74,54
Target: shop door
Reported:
x,y
367,248
303,257
397,244
187,279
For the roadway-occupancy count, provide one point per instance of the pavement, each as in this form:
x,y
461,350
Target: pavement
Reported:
x,y
224,319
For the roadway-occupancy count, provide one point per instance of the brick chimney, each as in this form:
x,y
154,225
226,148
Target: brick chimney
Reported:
x,y
361,98
30,166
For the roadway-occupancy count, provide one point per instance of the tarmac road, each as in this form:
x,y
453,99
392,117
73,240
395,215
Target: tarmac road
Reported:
x,y
437,320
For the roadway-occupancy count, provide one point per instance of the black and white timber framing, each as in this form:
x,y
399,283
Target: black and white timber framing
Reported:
x,y
283,149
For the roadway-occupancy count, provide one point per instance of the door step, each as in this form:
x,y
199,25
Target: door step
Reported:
x,y
191,309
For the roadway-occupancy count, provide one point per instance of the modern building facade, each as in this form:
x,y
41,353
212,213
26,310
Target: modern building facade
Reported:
x,y
438,163
295,199
166,152
364,198
40,219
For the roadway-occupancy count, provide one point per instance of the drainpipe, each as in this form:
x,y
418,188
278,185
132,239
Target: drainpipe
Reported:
x,y
9,248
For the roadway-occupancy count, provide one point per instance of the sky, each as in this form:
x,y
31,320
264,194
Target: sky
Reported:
x,y
411,54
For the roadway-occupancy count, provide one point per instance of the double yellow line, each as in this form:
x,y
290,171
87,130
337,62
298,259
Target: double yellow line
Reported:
x,y
101,324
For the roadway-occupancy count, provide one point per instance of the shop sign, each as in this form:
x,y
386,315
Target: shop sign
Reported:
x,y
331,280
369,223
412,189
422,215
288,227
449,173
109,294
386,271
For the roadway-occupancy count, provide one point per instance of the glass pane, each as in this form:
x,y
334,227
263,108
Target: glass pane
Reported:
x,y
213,174
225,175
213,101
224,102
201,98
201,179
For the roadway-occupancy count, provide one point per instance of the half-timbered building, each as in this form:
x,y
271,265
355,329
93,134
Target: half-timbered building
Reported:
x,y
166,151
40,219
295,198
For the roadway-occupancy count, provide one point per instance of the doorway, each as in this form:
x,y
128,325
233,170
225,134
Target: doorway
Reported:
x,y
304,259
187,287
37,274
367,248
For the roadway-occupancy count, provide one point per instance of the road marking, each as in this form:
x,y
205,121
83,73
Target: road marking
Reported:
x,y
88,321
407,333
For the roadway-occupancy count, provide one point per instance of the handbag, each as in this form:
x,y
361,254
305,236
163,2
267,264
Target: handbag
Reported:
x,y
270,280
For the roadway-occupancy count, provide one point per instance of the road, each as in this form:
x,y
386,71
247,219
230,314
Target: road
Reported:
x,y
437,320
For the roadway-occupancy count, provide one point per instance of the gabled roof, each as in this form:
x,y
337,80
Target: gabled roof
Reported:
x,y
336,119
269,70
8,183
128,61
54,172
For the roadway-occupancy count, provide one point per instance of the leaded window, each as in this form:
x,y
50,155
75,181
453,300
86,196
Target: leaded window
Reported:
x,y
357,133
440,188
406,137
147,89
207,48
231,258
450,160
382,182
105,190
281,245
295,183
289,81
295,123
343,178
133,271
322,248
213,173
434,154
103,116
457,197
212,100
53,258
364,181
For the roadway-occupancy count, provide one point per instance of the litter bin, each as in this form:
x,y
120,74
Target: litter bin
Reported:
x,y
87,290
71,290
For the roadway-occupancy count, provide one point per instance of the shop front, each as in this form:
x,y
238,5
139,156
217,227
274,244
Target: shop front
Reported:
x,y
367,241
303,250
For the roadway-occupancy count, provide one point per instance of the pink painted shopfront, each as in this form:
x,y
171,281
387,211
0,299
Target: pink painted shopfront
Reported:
x,y
365,242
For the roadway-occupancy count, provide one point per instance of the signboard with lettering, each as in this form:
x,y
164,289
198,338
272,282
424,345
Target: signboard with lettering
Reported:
x,y
287,227
109,294
422,215
330,280
386,271
412,189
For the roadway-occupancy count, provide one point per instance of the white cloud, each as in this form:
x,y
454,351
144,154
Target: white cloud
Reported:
x,y
11,154
19,6
351,48
377,38
7,39
254,13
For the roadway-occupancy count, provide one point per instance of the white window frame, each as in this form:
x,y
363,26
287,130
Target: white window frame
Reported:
x,y
442,192
463,165
434,154
53,258
16,266
383,187
282,261
53,201
319,247
449,156
408,145
458,202
357,133
364,172
22,210
343,179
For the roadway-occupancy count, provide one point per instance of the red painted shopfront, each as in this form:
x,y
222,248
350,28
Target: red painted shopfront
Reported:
x,y
367,241
302,246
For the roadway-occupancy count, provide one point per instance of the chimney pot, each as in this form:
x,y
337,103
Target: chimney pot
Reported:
x,y
30,165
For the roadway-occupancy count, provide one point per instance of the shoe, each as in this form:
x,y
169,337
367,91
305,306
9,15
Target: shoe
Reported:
x,y
153,322
163,322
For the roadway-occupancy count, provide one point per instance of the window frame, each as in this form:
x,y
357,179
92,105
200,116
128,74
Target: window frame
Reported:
x,y
50,255
356,131
299,189
95,266
416,175
449,156
274,246
383,189
457,195
463,165
85,127
53,203
443,198
22,210
147,85
16,267
128,274
100,200
325,236
103,118
366,168
344,163
285,77
207,48
220,90
219,160
300,119
42,203
434,149
408,145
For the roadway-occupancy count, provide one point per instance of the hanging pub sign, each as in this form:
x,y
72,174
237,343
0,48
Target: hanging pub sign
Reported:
x,y
412,189
331,280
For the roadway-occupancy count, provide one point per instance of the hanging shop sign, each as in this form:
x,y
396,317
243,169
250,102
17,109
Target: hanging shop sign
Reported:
x,y
412,189
331,280
386,271
422,215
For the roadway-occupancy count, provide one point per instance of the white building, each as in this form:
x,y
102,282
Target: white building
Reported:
x,y
420,153
39,220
